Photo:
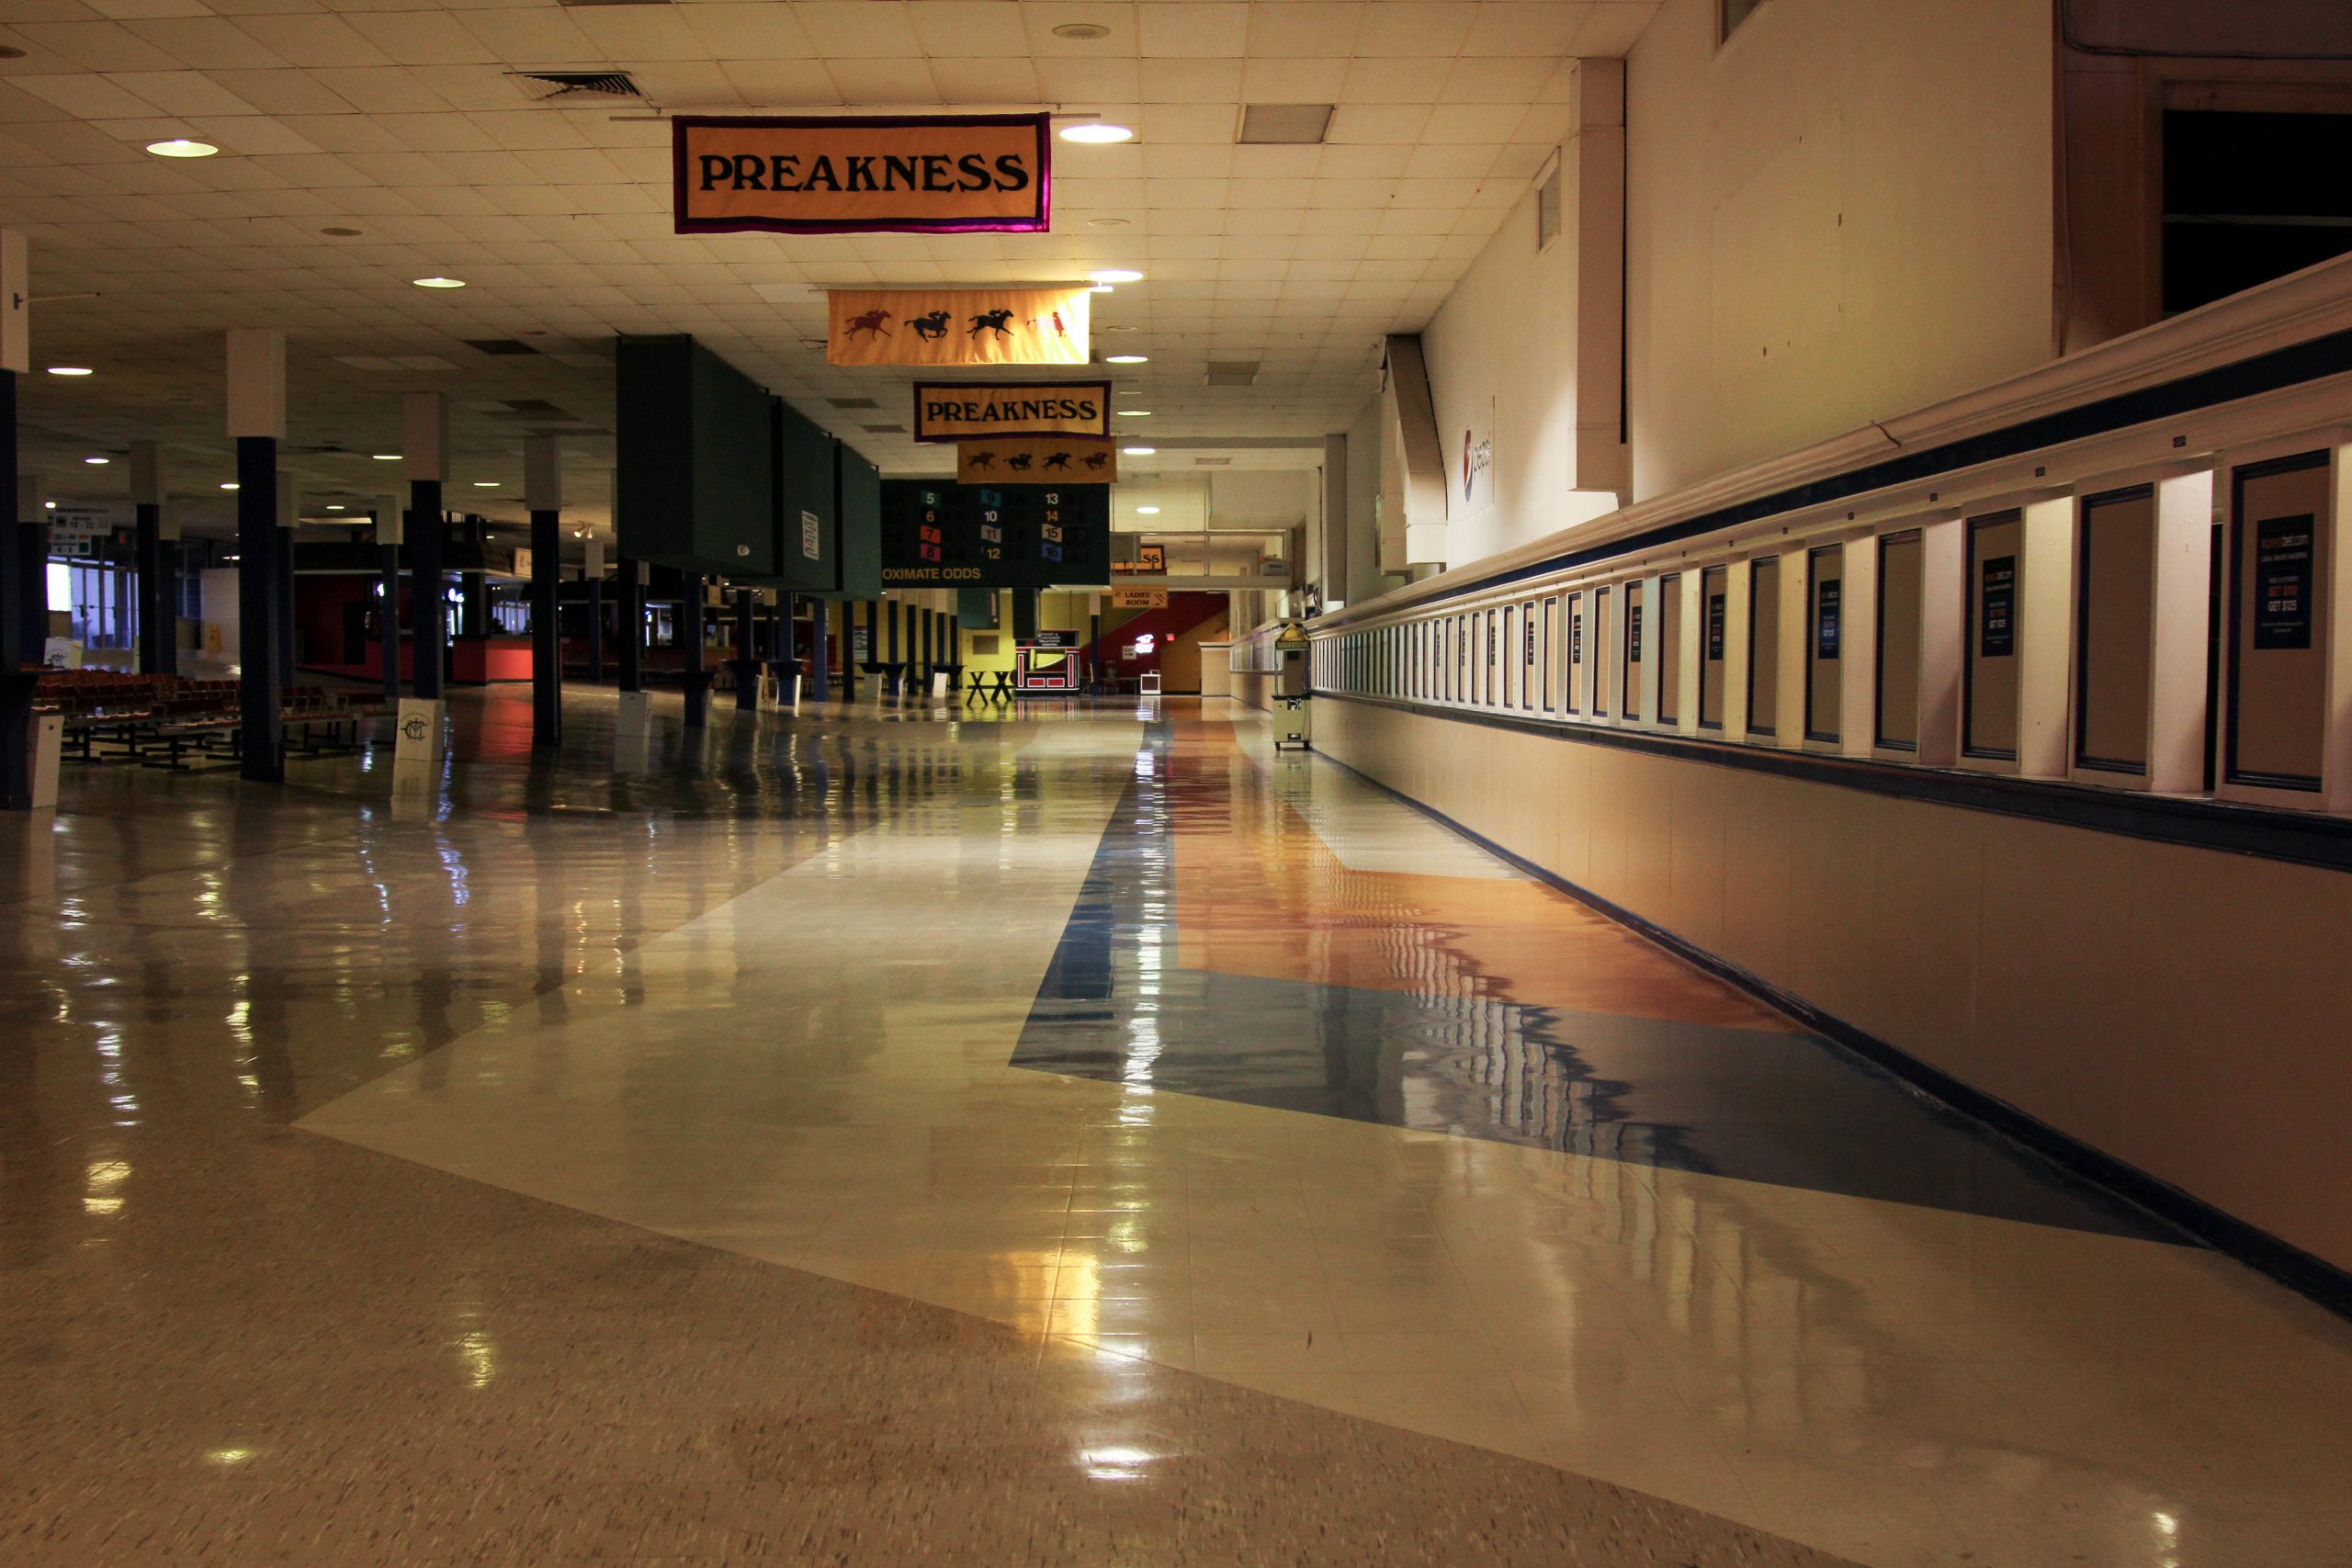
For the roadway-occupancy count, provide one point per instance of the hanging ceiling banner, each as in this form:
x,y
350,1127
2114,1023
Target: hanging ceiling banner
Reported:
x,y
959,326
1036,460
960,410
861,174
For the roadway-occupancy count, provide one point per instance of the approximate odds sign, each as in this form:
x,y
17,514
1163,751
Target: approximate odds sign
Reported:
x,y
1033,460
964,411
936,535
847,174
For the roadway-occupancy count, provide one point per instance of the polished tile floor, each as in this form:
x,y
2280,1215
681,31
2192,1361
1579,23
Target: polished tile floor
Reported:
x,y
1061,1137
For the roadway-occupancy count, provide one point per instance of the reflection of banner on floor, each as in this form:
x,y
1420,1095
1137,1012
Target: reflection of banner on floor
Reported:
x,y
959,326
955,410
844,174
1036,460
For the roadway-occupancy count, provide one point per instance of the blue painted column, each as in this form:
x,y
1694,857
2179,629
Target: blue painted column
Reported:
x,y
543,493
388,626
256,409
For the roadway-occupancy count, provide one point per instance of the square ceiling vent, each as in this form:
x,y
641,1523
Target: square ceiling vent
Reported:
x,y
1288,124
1233,373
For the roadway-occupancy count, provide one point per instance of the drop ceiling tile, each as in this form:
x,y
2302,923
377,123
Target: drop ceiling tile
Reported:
x,y
1085,82
286,93
1498,81
893,83
1473,122
1193,81
380,89
94,45
537,37
781,83
1293,81
850,29
978,80
1175,29
1612,27
1298,27
1202,124
1381,124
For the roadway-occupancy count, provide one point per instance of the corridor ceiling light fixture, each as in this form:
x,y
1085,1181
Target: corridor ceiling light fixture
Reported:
x,y
334,506
438,282
229,484
50,505
100,462
1147,512
1096,132
1107,222
1127,359
1082,31
485,484
69,370
1134,413
181,147
1116,275
1139,451
1103,288
387,457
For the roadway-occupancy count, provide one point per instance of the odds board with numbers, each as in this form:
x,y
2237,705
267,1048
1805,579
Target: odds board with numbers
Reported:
x,y
937,534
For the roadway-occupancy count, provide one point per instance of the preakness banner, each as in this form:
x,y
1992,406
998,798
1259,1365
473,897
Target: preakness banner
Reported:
x,y
962,410
959,326
812,175
1036,460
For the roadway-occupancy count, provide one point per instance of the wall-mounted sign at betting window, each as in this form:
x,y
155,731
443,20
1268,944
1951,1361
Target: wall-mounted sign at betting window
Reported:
x,y
2282,588
946,412
851,175
1996,629
959,326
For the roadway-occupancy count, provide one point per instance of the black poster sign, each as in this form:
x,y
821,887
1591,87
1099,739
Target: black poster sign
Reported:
x,y
1997,608
1826,597
1575,636
1714,627
1529,655
939,535
1633,635
2282,582
1050,640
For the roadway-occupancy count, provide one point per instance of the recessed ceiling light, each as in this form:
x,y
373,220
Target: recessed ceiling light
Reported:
x,y
438,282
230,484
1082,30
342,233
1101,288
1116,275
1134,413
181,147
1097,132
1127,359
1107,222
334,506
1147,512
50,505
101,462
485,484
1139,451
1118,329
69,370
10,51
387,457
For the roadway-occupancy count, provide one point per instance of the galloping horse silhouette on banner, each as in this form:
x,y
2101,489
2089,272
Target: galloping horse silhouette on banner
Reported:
x,y
998,321
871,321
931,328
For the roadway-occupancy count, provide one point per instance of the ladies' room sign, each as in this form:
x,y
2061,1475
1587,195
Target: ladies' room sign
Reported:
x,y
812,175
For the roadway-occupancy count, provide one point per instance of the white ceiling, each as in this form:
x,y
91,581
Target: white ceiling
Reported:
x,y
398,118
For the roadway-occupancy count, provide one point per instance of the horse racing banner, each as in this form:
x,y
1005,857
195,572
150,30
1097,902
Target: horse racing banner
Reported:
x,y
959,326
1036,460
809,174
964,411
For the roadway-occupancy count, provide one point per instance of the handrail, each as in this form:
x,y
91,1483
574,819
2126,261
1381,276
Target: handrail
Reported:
x,y
2305,316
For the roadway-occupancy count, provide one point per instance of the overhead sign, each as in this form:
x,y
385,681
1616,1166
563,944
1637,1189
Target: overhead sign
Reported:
x,y
1149,561
1037,460
1138,598
936,535
849,174
76,530
959,326
1291,636
958,411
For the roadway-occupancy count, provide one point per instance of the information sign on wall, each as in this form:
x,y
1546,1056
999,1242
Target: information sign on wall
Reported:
x,y
76,530
1150,560
1715,627
1996,629
959,326
964,411
2282,587
1828,595
1633,635
1138,598
846,175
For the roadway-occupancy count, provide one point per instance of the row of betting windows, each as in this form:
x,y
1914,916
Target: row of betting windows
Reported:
x,y
2163,610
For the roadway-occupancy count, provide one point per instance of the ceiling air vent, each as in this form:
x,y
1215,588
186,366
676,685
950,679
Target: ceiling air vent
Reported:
x,y
547,86
502,347
1233,373
1284,124
1211,462
884,429
854,403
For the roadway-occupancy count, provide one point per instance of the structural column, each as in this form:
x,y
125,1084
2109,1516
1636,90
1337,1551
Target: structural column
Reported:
x,y
698,682
256,402
424,461
820,686
28,554
289,517
746,658
387,590
632,626
543,493
158,615
591,577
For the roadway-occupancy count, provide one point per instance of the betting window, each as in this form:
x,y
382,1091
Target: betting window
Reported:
x,y
1551,630
1990,687
1901,565
1629,667
2280,555
2114,630
1825,663
1600,597
1510,662
1764,646
1669,648
1576,653
1714,606
1493,663
1528,643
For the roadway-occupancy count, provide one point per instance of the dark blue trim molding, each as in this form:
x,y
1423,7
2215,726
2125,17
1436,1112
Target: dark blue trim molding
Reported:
x,y
2300,1270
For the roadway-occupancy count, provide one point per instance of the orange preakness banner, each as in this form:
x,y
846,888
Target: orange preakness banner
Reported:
x,y
812,175
967,411
1037,460
959,326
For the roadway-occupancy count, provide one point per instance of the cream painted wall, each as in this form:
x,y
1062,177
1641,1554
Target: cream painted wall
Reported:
x,y
1501,354
1842,214
2154,1000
